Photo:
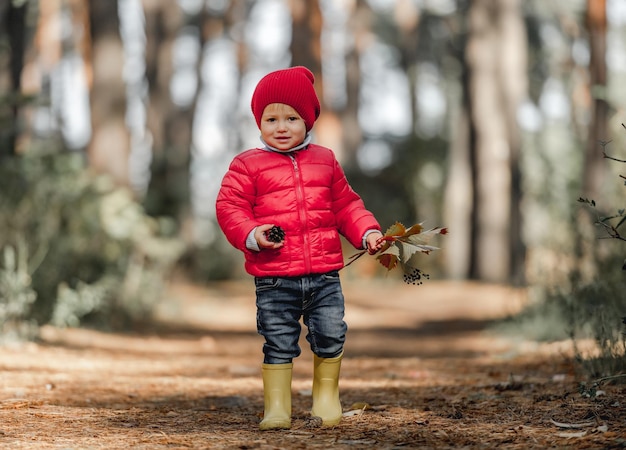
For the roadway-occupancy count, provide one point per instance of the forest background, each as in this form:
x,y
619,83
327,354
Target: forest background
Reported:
x,y
502,120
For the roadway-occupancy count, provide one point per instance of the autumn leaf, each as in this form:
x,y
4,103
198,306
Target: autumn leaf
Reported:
x,y
415,229
418,242
389,257
397,229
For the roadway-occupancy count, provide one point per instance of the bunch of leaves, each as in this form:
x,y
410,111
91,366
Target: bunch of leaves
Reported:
x,y
401,249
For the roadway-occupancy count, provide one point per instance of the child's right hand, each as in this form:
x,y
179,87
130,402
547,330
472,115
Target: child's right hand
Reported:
x,y
261,238
374,242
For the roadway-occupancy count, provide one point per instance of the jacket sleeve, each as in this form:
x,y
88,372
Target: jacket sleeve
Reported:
x,y
234,204
353,219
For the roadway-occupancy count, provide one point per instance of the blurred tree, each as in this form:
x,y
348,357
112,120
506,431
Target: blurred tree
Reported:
x,y
419,40
169,123
305,48
178,43
595,166
13,33
407,21
109,147
360,22
306,37
496,84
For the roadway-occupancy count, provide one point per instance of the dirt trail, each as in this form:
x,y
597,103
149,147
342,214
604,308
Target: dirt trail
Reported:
x,y
420,358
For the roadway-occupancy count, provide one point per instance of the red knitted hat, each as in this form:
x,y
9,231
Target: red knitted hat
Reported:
x,y
293,87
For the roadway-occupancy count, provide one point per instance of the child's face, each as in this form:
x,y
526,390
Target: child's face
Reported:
x,y
282,127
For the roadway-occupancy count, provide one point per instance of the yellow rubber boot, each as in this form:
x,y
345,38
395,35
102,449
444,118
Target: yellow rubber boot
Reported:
x,y
277,393
326,403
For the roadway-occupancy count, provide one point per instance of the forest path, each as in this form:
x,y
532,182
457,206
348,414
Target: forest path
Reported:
x,y
422,358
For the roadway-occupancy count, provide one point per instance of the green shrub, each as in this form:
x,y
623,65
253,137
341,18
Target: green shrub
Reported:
x,y
16,295
596,310
589,310
86,249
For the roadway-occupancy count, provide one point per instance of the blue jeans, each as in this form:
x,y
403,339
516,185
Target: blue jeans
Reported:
x,y
282,301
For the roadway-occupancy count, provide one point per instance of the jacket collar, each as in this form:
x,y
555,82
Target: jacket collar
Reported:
x,y
305,143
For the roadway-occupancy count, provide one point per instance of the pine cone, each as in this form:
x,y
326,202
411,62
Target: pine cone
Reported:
x,y
275,234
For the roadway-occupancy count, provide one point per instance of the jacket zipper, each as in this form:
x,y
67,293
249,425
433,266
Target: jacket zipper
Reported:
x,y
306,250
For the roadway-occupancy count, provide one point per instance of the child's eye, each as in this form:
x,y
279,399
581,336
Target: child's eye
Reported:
x,y
293,118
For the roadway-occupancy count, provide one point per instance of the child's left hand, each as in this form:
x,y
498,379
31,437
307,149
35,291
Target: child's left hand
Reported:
x,y
374,242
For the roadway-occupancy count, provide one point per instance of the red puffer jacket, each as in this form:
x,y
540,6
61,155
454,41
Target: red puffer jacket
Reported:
x,y
307,194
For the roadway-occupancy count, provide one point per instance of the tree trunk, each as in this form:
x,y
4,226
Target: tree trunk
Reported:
x,y
496,84
359,27
459,198
595,165
306,42
306,37
514,86
163,23
110,144
12,17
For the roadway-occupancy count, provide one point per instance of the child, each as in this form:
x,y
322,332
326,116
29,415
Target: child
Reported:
x,y
299,187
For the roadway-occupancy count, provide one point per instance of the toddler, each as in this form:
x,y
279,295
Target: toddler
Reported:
x,y
285,205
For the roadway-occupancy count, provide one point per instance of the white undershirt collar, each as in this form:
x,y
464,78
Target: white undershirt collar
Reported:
x,y
305,143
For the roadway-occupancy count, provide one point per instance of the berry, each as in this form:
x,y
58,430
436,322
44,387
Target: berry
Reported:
x,y
414,276
275,234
